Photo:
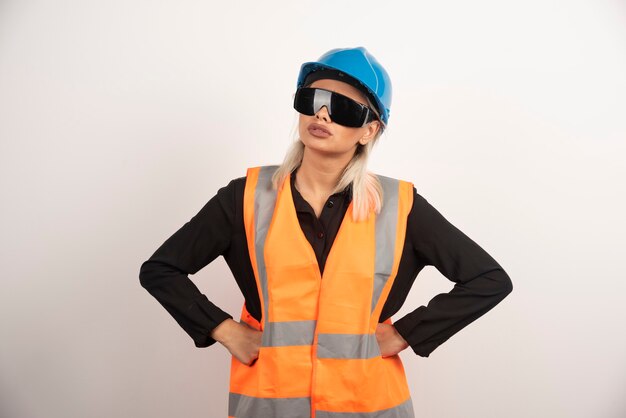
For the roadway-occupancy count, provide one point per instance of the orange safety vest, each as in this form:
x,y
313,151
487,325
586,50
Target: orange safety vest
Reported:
x,y
319,356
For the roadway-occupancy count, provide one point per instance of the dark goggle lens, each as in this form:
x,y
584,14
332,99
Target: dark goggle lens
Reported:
x,y
342,109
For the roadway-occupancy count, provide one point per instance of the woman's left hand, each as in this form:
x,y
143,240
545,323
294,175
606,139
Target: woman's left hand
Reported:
x,y
389,340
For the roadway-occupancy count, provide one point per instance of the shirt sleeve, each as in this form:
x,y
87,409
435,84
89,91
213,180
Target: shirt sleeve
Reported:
x,y
480,282
197,243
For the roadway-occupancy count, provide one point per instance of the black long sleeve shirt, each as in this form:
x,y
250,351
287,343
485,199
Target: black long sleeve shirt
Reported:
x,y
218,229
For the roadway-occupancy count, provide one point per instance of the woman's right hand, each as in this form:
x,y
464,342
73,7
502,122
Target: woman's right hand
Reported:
x,y
241,340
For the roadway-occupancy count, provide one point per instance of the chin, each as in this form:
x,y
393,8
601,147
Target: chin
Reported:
x,y
312,140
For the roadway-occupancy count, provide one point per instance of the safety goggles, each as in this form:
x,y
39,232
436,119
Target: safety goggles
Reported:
x,y
342,109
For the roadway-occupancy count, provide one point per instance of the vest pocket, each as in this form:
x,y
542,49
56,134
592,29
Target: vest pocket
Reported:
x,y
253,362
247,319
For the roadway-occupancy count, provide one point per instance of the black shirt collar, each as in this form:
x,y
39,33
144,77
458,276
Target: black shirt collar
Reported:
x,y
299,201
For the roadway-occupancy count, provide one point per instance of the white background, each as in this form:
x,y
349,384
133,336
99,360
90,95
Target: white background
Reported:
x,y
119,120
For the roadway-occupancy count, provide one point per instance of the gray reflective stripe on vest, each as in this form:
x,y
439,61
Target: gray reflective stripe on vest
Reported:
x,y
264,202
283,333
403,410
289,333
386,224
347,346
244,406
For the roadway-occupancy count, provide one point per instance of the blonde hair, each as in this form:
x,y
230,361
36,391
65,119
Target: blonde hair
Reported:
x,y
367,192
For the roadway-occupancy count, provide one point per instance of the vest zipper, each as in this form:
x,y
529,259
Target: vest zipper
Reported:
x,y
314,351
313,399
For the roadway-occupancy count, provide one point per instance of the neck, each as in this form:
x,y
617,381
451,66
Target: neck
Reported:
x,y
318,176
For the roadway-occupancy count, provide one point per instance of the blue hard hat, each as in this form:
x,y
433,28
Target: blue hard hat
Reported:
x,y
360,65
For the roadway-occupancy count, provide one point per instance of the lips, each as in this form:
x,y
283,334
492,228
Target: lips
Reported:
x,y
319,129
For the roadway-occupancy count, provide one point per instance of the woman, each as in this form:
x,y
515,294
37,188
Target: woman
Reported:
x,y
325,252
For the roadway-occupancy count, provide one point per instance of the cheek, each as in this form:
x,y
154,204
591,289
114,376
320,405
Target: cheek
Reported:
x,y
302,123
348,135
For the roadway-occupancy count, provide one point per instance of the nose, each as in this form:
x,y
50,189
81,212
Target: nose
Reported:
x,y
323,114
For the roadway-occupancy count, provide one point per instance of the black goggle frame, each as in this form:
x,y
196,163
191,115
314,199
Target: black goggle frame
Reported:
x,y
342,109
